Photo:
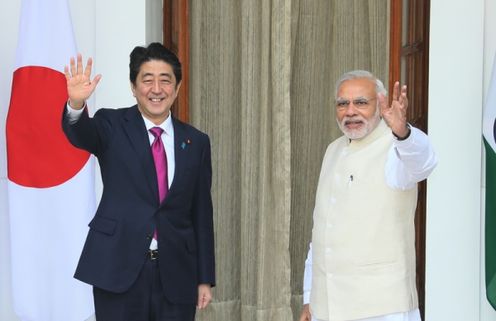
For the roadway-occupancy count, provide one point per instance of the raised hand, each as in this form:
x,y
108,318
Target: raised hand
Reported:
x,y
395,115
79,85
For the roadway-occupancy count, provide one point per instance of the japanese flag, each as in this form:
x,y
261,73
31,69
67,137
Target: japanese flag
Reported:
x,y
50,183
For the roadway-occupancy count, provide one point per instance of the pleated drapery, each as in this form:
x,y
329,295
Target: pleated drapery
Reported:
x,y
262,86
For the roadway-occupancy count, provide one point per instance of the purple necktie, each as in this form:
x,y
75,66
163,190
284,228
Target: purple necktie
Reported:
x,y
160,159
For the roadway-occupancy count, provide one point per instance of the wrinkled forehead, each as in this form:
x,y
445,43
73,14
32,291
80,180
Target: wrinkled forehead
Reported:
x,y
357,88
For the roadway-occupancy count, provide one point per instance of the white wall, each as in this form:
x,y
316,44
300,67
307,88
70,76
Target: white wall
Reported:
x,y
106,30
461,46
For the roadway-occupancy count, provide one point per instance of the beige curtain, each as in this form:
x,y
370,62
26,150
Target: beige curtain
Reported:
x,y
262,85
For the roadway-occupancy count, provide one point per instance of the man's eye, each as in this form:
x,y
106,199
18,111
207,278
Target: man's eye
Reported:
x,y
361,102
342,103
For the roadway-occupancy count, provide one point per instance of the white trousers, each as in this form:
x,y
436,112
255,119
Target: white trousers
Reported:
x,y
413,315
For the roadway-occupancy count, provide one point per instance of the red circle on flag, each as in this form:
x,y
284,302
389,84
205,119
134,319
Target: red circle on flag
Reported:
x,y
38,152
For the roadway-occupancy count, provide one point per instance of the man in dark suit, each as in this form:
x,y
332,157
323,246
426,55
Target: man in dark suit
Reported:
x,y
149,253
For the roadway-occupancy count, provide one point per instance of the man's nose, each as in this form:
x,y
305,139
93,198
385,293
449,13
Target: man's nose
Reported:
x,y
156,86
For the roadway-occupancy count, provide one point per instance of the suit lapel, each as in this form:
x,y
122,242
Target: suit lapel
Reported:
x,y
135,129
180,139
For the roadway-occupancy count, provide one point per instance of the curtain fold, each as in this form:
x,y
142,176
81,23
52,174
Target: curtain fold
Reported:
x,y
262,87
265,167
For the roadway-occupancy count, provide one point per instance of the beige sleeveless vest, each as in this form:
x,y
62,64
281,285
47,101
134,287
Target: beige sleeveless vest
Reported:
x,y
363,239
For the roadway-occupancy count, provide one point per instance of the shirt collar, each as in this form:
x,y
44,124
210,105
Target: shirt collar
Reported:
x,y
166,125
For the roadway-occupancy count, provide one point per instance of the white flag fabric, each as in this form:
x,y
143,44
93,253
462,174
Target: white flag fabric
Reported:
x,y
488,125
50,183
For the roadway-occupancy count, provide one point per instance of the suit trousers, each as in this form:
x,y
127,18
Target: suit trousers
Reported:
x,y
144,301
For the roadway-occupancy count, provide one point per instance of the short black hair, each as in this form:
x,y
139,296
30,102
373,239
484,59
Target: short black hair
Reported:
x,y
154,51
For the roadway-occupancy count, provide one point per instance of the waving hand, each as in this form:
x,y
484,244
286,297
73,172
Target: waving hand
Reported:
x,y
395,115
79,84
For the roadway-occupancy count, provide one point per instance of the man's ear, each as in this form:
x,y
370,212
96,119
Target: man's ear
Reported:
x,y
178,86
133,88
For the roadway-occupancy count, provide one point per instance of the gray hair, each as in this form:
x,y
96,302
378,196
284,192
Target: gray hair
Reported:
x,y
356,74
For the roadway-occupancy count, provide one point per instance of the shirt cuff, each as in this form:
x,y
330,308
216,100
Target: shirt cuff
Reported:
x,y
306,297
72,114
398,138
411,141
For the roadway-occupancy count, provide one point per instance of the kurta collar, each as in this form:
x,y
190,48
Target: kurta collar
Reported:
x,y
378,132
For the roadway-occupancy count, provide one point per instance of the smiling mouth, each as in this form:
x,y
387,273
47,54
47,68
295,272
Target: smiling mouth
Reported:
x,y
353,123
156,100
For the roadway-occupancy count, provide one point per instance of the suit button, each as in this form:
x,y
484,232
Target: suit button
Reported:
x,y
149,237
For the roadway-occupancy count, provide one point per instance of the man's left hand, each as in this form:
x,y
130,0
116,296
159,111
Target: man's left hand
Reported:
x,y
204,296
395,115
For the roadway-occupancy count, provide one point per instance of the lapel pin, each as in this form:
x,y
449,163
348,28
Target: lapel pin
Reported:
x,y
184,144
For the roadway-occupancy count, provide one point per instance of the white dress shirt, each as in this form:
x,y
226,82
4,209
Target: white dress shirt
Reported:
x,y
409,161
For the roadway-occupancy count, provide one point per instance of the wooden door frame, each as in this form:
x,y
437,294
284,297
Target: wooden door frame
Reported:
x,y
176,38
414,52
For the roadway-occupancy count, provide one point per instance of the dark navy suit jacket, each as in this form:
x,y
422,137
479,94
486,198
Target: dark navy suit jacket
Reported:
x,y
121,230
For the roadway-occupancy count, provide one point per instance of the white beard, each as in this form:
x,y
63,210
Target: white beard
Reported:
x,y
359,133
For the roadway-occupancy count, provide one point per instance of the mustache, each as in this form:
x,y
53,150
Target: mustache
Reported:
x,y
354,119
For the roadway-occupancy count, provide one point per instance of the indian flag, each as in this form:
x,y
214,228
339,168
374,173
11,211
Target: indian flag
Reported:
x,y
50,183
489,134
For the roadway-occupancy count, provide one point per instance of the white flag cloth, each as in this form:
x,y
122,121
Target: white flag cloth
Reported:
x,y
50,183
488,124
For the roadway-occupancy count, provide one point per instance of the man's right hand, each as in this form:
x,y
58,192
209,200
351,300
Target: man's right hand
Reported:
x,y
305,313
79,85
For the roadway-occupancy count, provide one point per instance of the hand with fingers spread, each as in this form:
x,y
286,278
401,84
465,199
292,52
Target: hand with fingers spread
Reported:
x,y
395,115
79,84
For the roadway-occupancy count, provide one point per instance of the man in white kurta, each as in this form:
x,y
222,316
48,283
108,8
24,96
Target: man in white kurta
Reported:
x,y
361,262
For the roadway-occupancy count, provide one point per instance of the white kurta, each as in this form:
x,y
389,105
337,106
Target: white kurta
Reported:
x,y
408,162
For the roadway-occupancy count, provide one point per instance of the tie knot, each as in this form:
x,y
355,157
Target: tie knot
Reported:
x,y
156,131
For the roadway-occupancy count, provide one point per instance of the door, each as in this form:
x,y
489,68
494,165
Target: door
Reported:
x,y
176,38
409,54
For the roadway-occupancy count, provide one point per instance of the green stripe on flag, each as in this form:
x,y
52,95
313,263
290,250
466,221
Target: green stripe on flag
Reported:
x,y
490,224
